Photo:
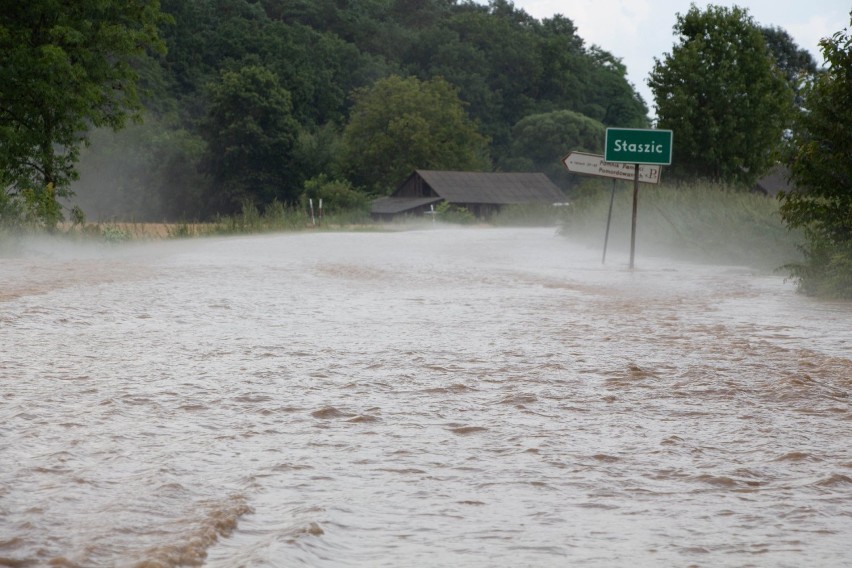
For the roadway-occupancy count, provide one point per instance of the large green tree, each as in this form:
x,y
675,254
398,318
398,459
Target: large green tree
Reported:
x,y
401,124
251,135
821,168
722,94
508,65
539,141
798,65
66,67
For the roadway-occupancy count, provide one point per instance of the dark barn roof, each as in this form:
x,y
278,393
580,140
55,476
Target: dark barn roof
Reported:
x,y
496,188
394,205
490,189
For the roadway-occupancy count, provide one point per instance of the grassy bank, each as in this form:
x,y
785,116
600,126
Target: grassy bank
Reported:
x,y
699,222
250,220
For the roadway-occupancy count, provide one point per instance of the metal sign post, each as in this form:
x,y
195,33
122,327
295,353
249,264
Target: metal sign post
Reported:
x,y
608,219
635,210
637,146
595,165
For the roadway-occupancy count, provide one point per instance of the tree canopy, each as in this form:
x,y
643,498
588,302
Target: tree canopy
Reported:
x,y
798,65
74,67
251,135
540,141
822,171
399,125
722,94
67,67
94,63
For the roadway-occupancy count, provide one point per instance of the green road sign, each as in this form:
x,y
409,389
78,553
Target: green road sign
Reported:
x,y
638,146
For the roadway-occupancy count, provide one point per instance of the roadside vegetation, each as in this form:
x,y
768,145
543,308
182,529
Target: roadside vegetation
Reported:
x,y
699,222
229,116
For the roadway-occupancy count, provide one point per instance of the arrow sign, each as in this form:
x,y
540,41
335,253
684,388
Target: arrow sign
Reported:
x,y
594,165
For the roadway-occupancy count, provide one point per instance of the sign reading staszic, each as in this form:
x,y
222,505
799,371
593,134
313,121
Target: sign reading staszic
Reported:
x,y
638,146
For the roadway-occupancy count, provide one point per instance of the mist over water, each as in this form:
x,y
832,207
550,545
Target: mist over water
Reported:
x,y
467,397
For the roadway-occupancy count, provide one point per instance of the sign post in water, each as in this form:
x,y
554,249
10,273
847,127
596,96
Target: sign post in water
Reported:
x,y
594,165
638,146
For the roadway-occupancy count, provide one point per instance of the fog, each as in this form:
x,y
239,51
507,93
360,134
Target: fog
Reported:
x,y
143,173
697,224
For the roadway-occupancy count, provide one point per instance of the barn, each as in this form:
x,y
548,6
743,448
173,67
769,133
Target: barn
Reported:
x,y
482,193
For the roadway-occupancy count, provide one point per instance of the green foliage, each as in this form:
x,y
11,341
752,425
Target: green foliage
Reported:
x,y
67,67
821,169
699,222
78,217
399,125
318,151
251,134
544,138
336,195
722,95
182,230
300,42
508,65
250,220
114,234
262,90
450,213
540,141
41,207
827,270
275,217
798,65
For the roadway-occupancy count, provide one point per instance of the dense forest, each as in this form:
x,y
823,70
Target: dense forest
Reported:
x,y
196,110
251,99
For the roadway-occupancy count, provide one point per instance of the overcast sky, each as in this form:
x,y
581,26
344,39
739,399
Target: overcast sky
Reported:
x,y
636,31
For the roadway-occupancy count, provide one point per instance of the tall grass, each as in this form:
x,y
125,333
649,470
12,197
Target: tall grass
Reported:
x,y
275,218
530,215
700,222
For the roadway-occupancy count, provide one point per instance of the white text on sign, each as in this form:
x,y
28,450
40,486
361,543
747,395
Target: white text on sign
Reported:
x,y
624,146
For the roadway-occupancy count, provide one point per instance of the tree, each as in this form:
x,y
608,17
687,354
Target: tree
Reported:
x,y
67,67
722,95
821,169
501,68
539,141
798,65
399,125
251,135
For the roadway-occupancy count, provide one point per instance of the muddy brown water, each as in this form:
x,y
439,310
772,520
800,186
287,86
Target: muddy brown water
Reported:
x,y
437,397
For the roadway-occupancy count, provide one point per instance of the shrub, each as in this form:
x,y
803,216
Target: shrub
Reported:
x,y
450,213
336,195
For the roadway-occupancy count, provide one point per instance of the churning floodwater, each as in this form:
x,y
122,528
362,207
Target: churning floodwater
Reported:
x,y
429,398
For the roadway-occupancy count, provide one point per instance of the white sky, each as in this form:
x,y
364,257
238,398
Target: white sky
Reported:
x,y
636,31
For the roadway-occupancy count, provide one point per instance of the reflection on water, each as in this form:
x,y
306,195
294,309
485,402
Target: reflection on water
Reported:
x,y
488,397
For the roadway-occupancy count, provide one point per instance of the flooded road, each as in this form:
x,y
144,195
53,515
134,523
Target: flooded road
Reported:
x,y
468,397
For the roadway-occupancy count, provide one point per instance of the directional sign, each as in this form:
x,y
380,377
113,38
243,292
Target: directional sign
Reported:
x,y
594,165
638,146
